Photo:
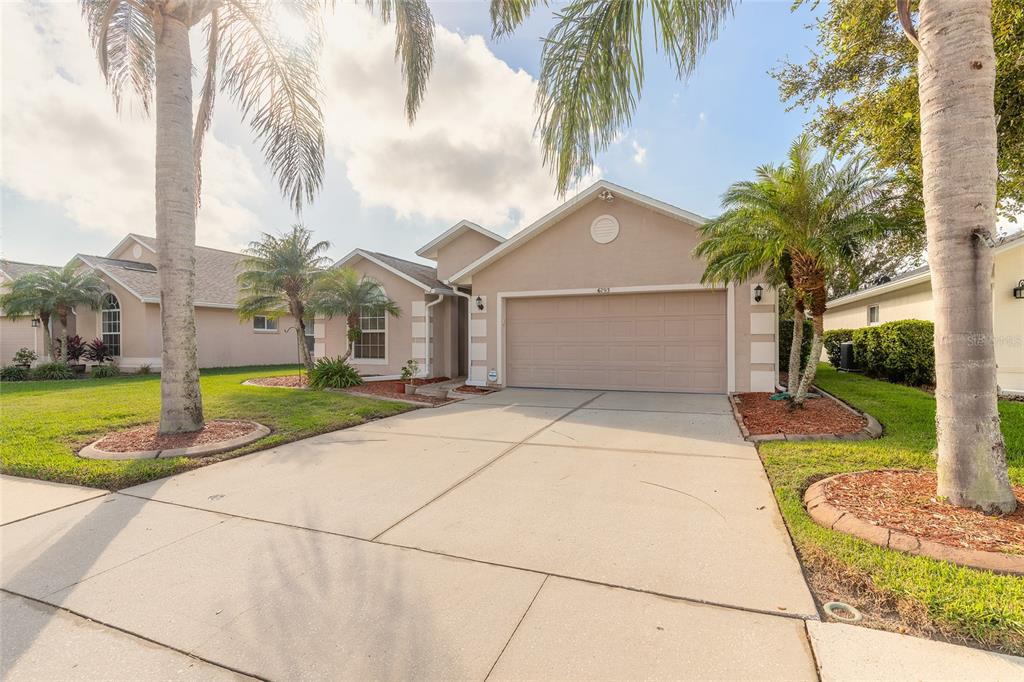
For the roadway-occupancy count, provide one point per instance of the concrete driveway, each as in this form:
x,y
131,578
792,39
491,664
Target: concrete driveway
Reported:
x,y
522,535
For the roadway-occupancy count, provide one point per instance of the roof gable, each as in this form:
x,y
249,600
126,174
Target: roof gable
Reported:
x,y
12,269
430,249
600,190
423,276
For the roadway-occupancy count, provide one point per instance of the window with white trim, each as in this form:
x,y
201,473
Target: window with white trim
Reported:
x,y
110,324
262,323
372,341
872,314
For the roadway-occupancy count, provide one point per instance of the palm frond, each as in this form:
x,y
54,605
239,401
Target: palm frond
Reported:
x,y
122,34
204,115
507,15
414,45
277,88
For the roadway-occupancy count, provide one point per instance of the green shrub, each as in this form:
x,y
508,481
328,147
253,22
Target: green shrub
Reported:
x,y
409,370
832,341
105,371
786,343
53,371
902,351
25,356
145,369
15,373
333,373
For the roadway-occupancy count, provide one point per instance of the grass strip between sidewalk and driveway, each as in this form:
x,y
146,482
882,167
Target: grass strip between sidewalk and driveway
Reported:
x,y
959,603
44,423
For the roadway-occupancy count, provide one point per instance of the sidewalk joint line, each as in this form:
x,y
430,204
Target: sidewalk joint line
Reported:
x,y
101,492
516,628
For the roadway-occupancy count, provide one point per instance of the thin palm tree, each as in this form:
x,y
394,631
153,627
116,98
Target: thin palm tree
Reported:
x,y
22,299
277,277
143,46
59,291
343,292
800,223
956,71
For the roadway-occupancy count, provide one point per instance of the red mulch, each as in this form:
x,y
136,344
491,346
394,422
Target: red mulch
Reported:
x,y
288,381
396,389
818,415
466,388
146,437
905,501
424,382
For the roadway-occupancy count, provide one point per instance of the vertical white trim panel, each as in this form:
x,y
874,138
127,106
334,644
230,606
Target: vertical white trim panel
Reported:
x,y
730,338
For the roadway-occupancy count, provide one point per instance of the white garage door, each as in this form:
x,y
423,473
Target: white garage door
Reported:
x,y
671,341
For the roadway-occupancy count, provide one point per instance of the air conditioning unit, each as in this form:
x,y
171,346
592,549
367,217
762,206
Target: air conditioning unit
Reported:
x,y
846,359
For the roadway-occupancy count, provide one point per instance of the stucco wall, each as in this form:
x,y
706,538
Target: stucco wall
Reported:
x,y
461,251
652,249
133,250
910,303
16,334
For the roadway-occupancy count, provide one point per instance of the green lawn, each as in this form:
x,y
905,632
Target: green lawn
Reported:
x,y
959,602
42,423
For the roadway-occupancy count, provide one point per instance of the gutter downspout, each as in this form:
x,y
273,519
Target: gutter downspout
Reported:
x,y
469,326
430,344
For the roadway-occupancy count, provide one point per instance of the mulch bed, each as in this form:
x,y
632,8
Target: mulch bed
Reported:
x,y
396,389
146,437
466,388
424,382
288,381
905,501
762,416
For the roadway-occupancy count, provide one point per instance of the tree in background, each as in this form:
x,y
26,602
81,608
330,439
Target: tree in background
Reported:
x,y
24,300
343,292
55,292
278,277
143,46
799,223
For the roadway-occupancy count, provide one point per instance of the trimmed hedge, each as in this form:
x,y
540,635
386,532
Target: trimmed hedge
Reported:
x,y
786,343
901,352
832,340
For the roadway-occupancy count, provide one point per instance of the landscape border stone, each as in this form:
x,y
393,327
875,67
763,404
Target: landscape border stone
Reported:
x,y
826,514
872,429
90,451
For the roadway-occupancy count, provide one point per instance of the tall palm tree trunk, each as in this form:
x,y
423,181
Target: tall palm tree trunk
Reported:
x,y
181,404
956,68
63,317
793,379
811,371
300,332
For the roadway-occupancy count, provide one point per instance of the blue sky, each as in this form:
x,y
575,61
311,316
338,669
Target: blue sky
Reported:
x,y
386,188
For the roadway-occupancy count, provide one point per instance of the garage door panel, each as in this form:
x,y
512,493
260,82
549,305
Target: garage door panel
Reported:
x,y
658,341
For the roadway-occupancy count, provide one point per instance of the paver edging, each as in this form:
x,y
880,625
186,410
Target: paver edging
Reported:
x,y
872,428
826,514
90,451
251,382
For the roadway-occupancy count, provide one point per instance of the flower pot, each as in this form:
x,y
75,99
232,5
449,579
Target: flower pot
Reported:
x,y
410,389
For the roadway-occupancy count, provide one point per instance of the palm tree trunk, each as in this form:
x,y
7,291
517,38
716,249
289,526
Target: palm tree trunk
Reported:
x,y
181,404
351,325
63,336
44,322
956,70
811,371
300,332
793,379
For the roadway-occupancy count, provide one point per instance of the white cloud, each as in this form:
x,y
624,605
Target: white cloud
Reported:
x,y
639,153
471,152
702,118
64,145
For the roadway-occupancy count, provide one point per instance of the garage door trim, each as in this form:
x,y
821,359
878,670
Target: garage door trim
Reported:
x,y
730,305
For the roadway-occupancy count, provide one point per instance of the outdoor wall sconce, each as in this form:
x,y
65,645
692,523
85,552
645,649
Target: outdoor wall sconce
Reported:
x,y
1018,291
758,291
479,303
35,322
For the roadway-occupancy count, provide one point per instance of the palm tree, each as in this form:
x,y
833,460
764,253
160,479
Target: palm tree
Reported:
x,y
24,300
58,291
343,292
799,223
956,70
278,275
143,46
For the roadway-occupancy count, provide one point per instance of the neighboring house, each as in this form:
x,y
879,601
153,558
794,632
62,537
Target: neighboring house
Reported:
x,y
909,297
22,332
129,319
603,293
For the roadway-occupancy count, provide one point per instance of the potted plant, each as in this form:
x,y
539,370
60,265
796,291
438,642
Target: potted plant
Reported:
x,y
25,357
76,349
410,370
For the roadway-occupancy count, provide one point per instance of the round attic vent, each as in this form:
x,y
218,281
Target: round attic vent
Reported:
x,y
604,229
136,251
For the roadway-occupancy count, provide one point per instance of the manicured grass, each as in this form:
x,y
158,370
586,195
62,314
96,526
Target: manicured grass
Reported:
x,y
43,423
960,602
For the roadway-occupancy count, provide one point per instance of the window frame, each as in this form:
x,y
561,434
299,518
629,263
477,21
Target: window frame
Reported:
x,y
267,320
384,331
878,315
105,335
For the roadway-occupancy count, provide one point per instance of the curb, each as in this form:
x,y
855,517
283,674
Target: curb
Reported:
x,y
873,428
825,514
90,451
416,403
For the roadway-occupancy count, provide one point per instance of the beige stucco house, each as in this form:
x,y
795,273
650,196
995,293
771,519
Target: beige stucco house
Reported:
x,y
602,292
909,297
129,319
20,332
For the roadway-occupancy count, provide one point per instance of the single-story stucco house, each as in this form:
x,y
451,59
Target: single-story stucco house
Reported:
x,y
129,319
909,297
603,292
20,332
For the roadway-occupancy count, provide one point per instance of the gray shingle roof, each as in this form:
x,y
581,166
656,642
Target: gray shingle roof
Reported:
x,y
216,271
15,269
423,274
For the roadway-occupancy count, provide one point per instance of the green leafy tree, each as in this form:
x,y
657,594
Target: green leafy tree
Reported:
x,y
343,292
24,300
143,48
278,275
58,291
799,223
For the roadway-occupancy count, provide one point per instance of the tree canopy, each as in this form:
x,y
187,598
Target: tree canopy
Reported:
x,y
862,84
